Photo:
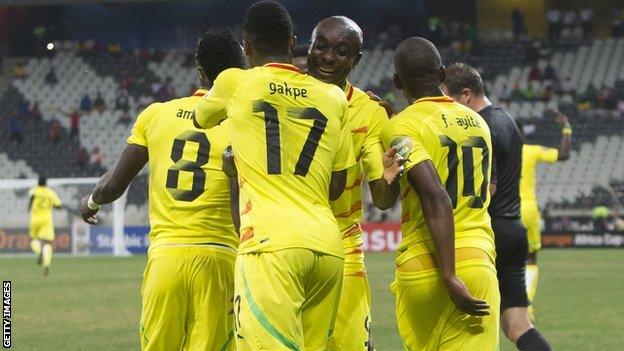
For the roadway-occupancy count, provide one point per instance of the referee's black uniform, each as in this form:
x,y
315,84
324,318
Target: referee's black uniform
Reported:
x,y
509,232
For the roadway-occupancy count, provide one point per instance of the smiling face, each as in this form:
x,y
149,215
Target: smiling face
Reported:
x,y
335,50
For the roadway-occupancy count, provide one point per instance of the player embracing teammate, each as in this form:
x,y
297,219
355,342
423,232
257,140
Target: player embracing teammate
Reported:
x,y
301,146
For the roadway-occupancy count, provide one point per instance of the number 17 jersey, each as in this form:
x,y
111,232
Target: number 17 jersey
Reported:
x,y
457,141
289,133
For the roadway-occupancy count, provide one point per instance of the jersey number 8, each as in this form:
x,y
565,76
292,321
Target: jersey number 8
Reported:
x,y
199,175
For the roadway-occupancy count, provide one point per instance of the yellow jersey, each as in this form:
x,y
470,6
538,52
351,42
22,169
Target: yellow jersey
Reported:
x,y
289,132
457,141
189,195
44,200
531,156
366,118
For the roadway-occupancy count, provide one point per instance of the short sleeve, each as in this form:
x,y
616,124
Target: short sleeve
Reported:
x,y
547,154
372,150
345,157
138,135
212,108
408,141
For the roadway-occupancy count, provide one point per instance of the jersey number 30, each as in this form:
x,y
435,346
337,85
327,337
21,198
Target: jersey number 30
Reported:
x,y
272,126
468,169
195,166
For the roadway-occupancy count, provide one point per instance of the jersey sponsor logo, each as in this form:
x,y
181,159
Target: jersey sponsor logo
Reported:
x,y
284,89
185,114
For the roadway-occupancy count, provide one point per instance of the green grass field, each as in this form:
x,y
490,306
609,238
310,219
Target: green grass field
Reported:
x,y
93,303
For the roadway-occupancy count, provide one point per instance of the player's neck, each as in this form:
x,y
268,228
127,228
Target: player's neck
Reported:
x,y
481,103
423,92
261,61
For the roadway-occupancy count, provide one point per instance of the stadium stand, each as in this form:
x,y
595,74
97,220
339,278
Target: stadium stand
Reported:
x,y
531,79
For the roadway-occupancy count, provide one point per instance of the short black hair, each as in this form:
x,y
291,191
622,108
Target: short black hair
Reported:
x,y
301,50
418,59
461,76
267,25
217,50
43,181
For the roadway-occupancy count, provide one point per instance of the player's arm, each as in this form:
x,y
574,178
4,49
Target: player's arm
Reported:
x,y
229,168
383,176
438,212
566,137
212,108
493,177
114,183
344,158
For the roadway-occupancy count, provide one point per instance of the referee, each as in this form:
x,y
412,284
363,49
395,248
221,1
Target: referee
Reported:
x,y
464,84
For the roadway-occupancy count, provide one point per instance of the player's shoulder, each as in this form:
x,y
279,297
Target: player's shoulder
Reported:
x,y
322,88
359,98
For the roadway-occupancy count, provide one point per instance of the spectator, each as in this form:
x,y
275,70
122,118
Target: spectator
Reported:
x,y
82,157
591,94
617,28
96,157
75,124
15,128
516,92
55,131
122,102
126,80
20,71
125,119
86,103
547,94
517,20
587,21
569,21
549,72
535,74
34,112
50,77
554,24
166,93
99,103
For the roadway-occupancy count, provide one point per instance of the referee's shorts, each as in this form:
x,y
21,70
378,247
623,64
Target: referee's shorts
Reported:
x,y
511,254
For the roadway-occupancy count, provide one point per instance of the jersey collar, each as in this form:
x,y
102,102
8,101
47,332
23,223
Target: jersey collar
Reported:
x,y
200,92
286,66
442,98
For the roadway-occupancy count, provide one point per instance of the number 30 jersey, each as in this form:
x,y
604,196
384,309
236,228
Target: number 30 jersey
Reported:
x,y
457,141
189,196
289,133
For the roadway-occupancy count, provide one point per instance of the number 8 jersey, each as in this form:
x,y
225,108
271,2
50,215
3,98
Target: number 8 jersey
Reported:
x,y
189,195
289,133
457,141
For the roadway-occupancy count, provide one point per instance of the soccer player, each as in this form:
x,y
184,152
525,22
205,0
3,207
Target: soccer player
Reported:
x,y
446,289
465,85
531,156
292,147
42,201
188,284
335,50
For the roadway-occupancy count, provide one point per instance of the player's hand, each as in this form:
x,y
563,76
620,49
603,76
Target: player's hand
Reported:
x,y
561,119
228,166
463,299
88,215
393,165
385,104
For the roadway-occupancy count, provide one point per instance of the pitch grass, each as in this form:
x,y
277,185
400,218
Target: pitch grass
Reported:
x,y
93,303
